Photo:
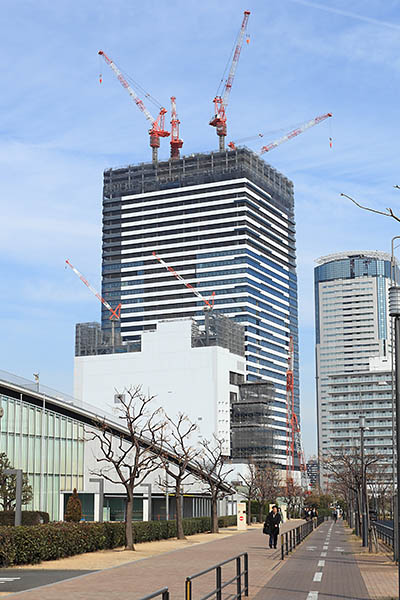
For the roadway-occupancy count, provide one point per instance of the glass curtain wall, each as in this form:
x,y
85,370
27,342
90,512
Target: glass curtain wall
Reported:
x,y
47,446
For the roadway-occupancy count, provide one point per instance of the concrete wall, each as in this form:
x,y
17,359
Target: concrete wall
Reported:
x,y
194,381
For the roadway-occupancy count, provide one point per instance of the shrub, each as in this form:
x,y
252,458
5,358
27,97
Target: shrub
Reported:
x,y
74,508
29,517
33,544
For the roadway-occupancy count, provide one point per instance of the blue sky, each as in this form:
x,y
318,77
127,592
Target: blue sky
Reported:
x,y
60,129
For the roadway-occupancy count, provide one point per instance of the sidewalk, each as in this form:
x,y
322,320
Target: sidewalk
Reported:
x,y
323,568
379,572
137,579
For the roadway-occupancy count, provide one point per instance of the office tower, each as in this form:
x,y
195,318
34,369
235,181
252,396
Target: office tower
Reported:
x,y
351,323
225,222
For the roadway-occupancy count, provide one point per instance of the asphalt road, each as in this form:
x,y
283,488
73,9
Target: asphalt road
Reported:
x,y
19,580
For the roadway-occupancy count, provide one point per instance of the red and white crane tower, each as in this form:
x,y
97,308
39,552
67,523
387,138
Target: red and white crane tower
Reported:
x,y
285,138
293,438
157,129
221,100
176,143
115,312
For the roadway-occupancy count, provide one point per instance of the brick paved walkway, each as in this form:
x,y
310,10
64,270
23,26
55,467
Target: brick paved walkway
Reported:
x,y
322,568
135,580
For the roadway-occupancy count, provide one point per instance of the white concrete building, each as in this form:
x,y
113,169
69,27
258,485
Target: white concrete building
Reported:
x,y
198,381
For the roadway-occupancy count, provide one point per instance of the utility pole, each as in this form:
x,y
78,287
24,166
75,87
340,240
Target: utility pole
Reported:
x,y
394,311
364,498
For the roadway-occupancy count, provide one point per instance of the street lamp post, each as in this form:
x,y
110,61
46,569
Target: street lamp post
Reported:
x,y
364,498
100,481
394,311
18,493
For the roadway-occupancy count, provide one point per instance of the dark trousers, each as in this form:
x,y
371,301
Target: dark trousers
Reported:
x,y
273,537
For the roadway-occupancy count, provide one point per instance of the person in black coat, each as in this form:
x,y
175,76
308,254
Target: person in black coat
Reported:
x,y
271,526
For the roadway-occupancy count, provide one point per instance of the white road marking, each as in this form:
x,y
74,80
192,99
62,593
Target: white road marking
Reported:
x,y
6,579
338,549
311,548
312,596
324,547
317,576
321,563
323,553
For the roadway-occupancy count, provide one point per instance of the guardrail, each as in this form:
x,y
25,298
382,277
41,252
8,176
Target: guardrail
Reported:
x,y
164,593
217,592
292,538
384,533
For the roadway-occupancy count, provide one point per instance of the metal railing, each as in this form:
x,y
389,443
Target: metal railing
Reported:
x,y
292,538
384,533
241,575
164,593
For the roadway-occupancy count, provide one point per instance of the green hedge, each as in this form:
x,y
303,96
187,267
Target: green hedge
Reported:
x,y
33,544
29,517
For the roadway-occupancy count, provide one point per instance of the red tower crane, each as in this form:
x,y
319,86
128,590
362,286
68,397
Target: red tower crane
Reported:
x,y
285,138
157,129
221,101
176,143
293,438
115,312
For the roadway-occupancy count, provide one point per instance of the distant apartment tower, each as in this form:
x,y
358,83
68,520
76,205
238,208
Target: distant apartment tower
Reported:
x,y
367,394
225,222
351,323
312,467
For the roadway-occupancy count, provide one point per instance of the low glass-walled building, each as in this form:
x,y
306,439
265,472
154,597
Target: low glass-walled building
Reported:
x,y
43,433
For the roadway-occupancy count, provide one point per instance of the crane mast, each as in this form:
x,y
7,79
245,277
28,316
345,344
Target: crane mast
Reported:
x,y
293,437
221,101
176,143
157,129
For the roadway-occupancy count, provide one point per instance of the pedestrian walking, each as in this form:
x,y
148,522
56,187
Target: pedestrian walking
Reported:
x,y
271,526
335,515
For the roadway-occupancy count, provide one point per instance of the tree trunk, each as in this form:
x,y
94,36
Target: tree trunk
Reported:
x,y
128,524
179,525
260,512
214,515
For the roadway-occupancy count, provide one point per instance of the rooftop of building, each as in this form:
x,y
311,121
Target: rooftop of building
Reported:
x,y
374,254
196,169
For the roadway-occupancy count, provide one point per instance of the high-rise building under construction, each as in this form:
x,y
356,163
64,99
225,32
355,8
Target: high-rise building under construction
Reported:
x,y
225,222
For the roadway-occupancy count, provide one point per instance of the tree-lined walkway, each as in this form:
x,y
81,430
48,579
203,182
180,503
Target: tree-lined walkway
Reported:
x,y
137,579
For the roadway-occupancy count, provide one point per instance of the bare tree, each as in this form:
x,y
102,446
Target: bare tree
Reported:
x,y
213,472
250,482
293,495
178,444
346,477
389,212
129,458
268,486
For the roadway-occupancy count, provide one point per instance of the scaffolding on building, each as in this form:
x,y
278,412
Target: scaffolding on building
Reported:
x,y
252,434
199,169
